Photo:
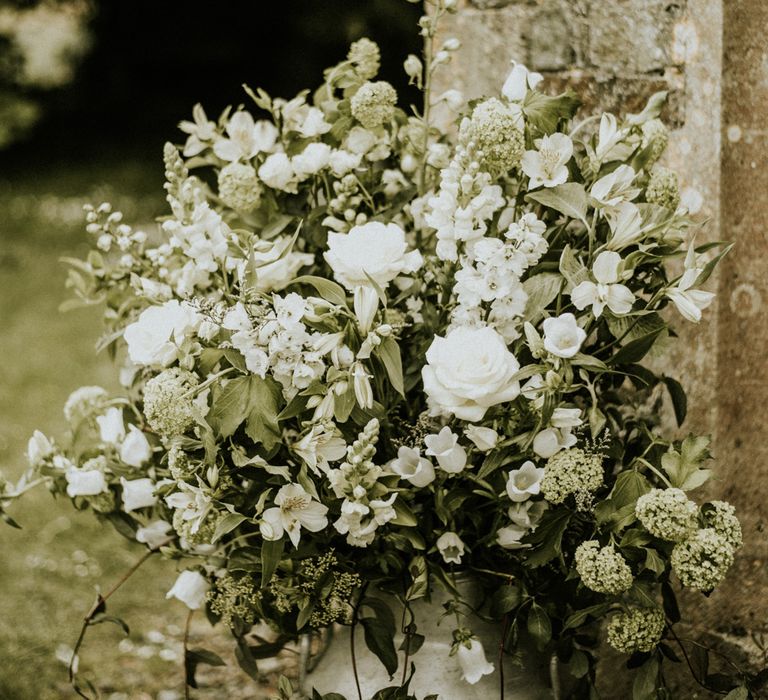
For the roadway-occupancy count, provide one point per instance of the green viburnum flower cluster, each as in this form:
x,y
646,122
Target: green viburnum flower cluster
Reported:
x,y
602,569
169,401
638,629
572,472
667,513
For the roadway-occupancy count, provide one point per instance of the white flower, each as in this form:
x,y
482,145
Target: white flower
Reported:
x,y
138,493
200,131
690,302
472,660
526,514
321,445
361,382
154,534
192,502
190,588
277,172
411,466
519,81
445,448
135,449
276,265
341,162
154,338
451,547
551,440
246,138
453,98
38,448
314,123
608,136
485,439
626,226
606,292
616,187
85,482
509,537
374,250
111,427
366,304
562,335
469,371
524,482
547,166
294,509
311,160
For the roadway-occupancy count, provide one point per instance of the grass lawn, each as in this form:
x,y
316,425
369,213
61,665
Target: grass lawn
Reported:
x,y
52,566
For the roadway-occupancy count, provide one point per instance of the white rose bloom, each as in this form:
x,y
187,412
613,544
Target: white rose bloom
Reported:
x,y
85,482
563,336
524,482
341,162
444,447
311,160
509,537
38,448
473,663
137,493
547,166
190,588
519,81
154,534
154,338
606,291
374,250
135,449
277,172
411,466
484,439
451,547
469,371
111,427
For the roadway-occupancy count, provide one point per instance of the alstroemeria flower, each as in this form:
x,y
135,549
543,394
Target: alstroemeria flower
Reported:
x,y
614,188
524,482
294,508
690,302
606,290
200,131
246,138
547,166
609,135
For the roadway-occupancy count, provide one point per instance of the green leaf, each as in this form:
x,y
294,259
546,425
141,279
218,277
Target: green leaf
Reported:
x,y
405,516
271,553
264,400
740,693
709,268
327,289
572,269
578,618
245,659
539,626
541,290
380,640
569,199
504,600
419,577
195,657
646,679
629,486
684,468
547,539
228,523
545,112
389,352
679,399
230,406
654,562
635,350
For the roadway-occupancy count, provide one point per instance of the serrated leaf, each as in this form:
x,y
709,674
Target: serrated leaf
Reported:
x,y
569,199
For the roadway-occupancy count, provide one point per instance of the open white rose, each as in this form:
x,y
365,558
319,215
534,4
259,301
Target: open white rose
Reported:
x,y
154,338
137,493
190,588
563,336
85,482
374,250
135,449
469,371
277,172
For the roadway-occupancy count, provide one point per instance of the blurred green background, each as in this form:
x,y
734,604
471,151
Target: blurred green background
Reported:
x,y
92,131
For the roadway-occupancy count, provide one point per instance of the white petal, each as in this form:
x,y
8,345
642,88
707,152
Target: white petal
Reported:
x,y
584,294
606,267
620,299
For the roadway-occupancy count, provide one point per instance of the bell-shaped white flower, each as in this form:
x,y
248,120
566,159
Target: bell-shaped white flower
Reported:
x,y
445,448
605,290
154,534
85,482
294,508
547,166
366,304
138,493
519,81
524,482
111,426
190,588
485,439
135,449
510,537
472,660
411,466
563,336
690,302
451,547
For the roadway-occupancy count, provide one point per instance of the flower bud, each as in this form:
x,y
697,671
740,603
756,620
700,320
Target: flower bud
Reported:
x,y
451,44
413,67
366,303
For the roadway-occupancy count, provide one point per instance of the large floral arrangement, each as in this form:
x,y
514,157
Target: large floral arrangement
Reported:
x,y
363,352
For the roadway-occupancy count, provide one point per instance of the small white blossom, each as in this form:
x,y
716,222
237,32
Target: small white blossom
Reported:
x,y
246,138
85,482
606,290
154,534
472,660
524,482
563,336
451,547
111,426
484,439
412,467
294,508
190,588
445,448
135,450
547,166
519,81
138,493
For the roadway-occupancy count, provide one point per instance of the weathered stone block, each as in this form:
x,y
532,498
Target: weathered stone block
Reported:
x,y
553,44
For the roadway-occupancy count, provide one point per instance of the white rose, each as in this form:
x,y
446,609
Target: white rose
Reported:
x,y
190,588
154,338
154,534
469,371
311,160
411,466
374,248
472,661
111,428
85,482
135,449
451,547
137,493
277,172
563,336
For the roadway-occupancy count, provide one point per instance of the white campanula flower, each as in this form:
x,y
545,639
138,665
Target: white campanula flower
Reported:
x,y
472,660
154,534
524,482
138,493
484,439
190,588
200,132
311,160
277,172
135,450
605,290
510,537
453,98
468,371
519,81
526,514
445,448
155,337
547,166
563,336
38,448
294,508
412,467
451,547
690,302
558,436
342,162
111,426
246,138
374,250
85,482
616,187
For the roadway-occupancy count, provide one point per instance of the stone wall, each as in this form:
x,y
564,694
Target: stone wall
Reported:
x,y
712,58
